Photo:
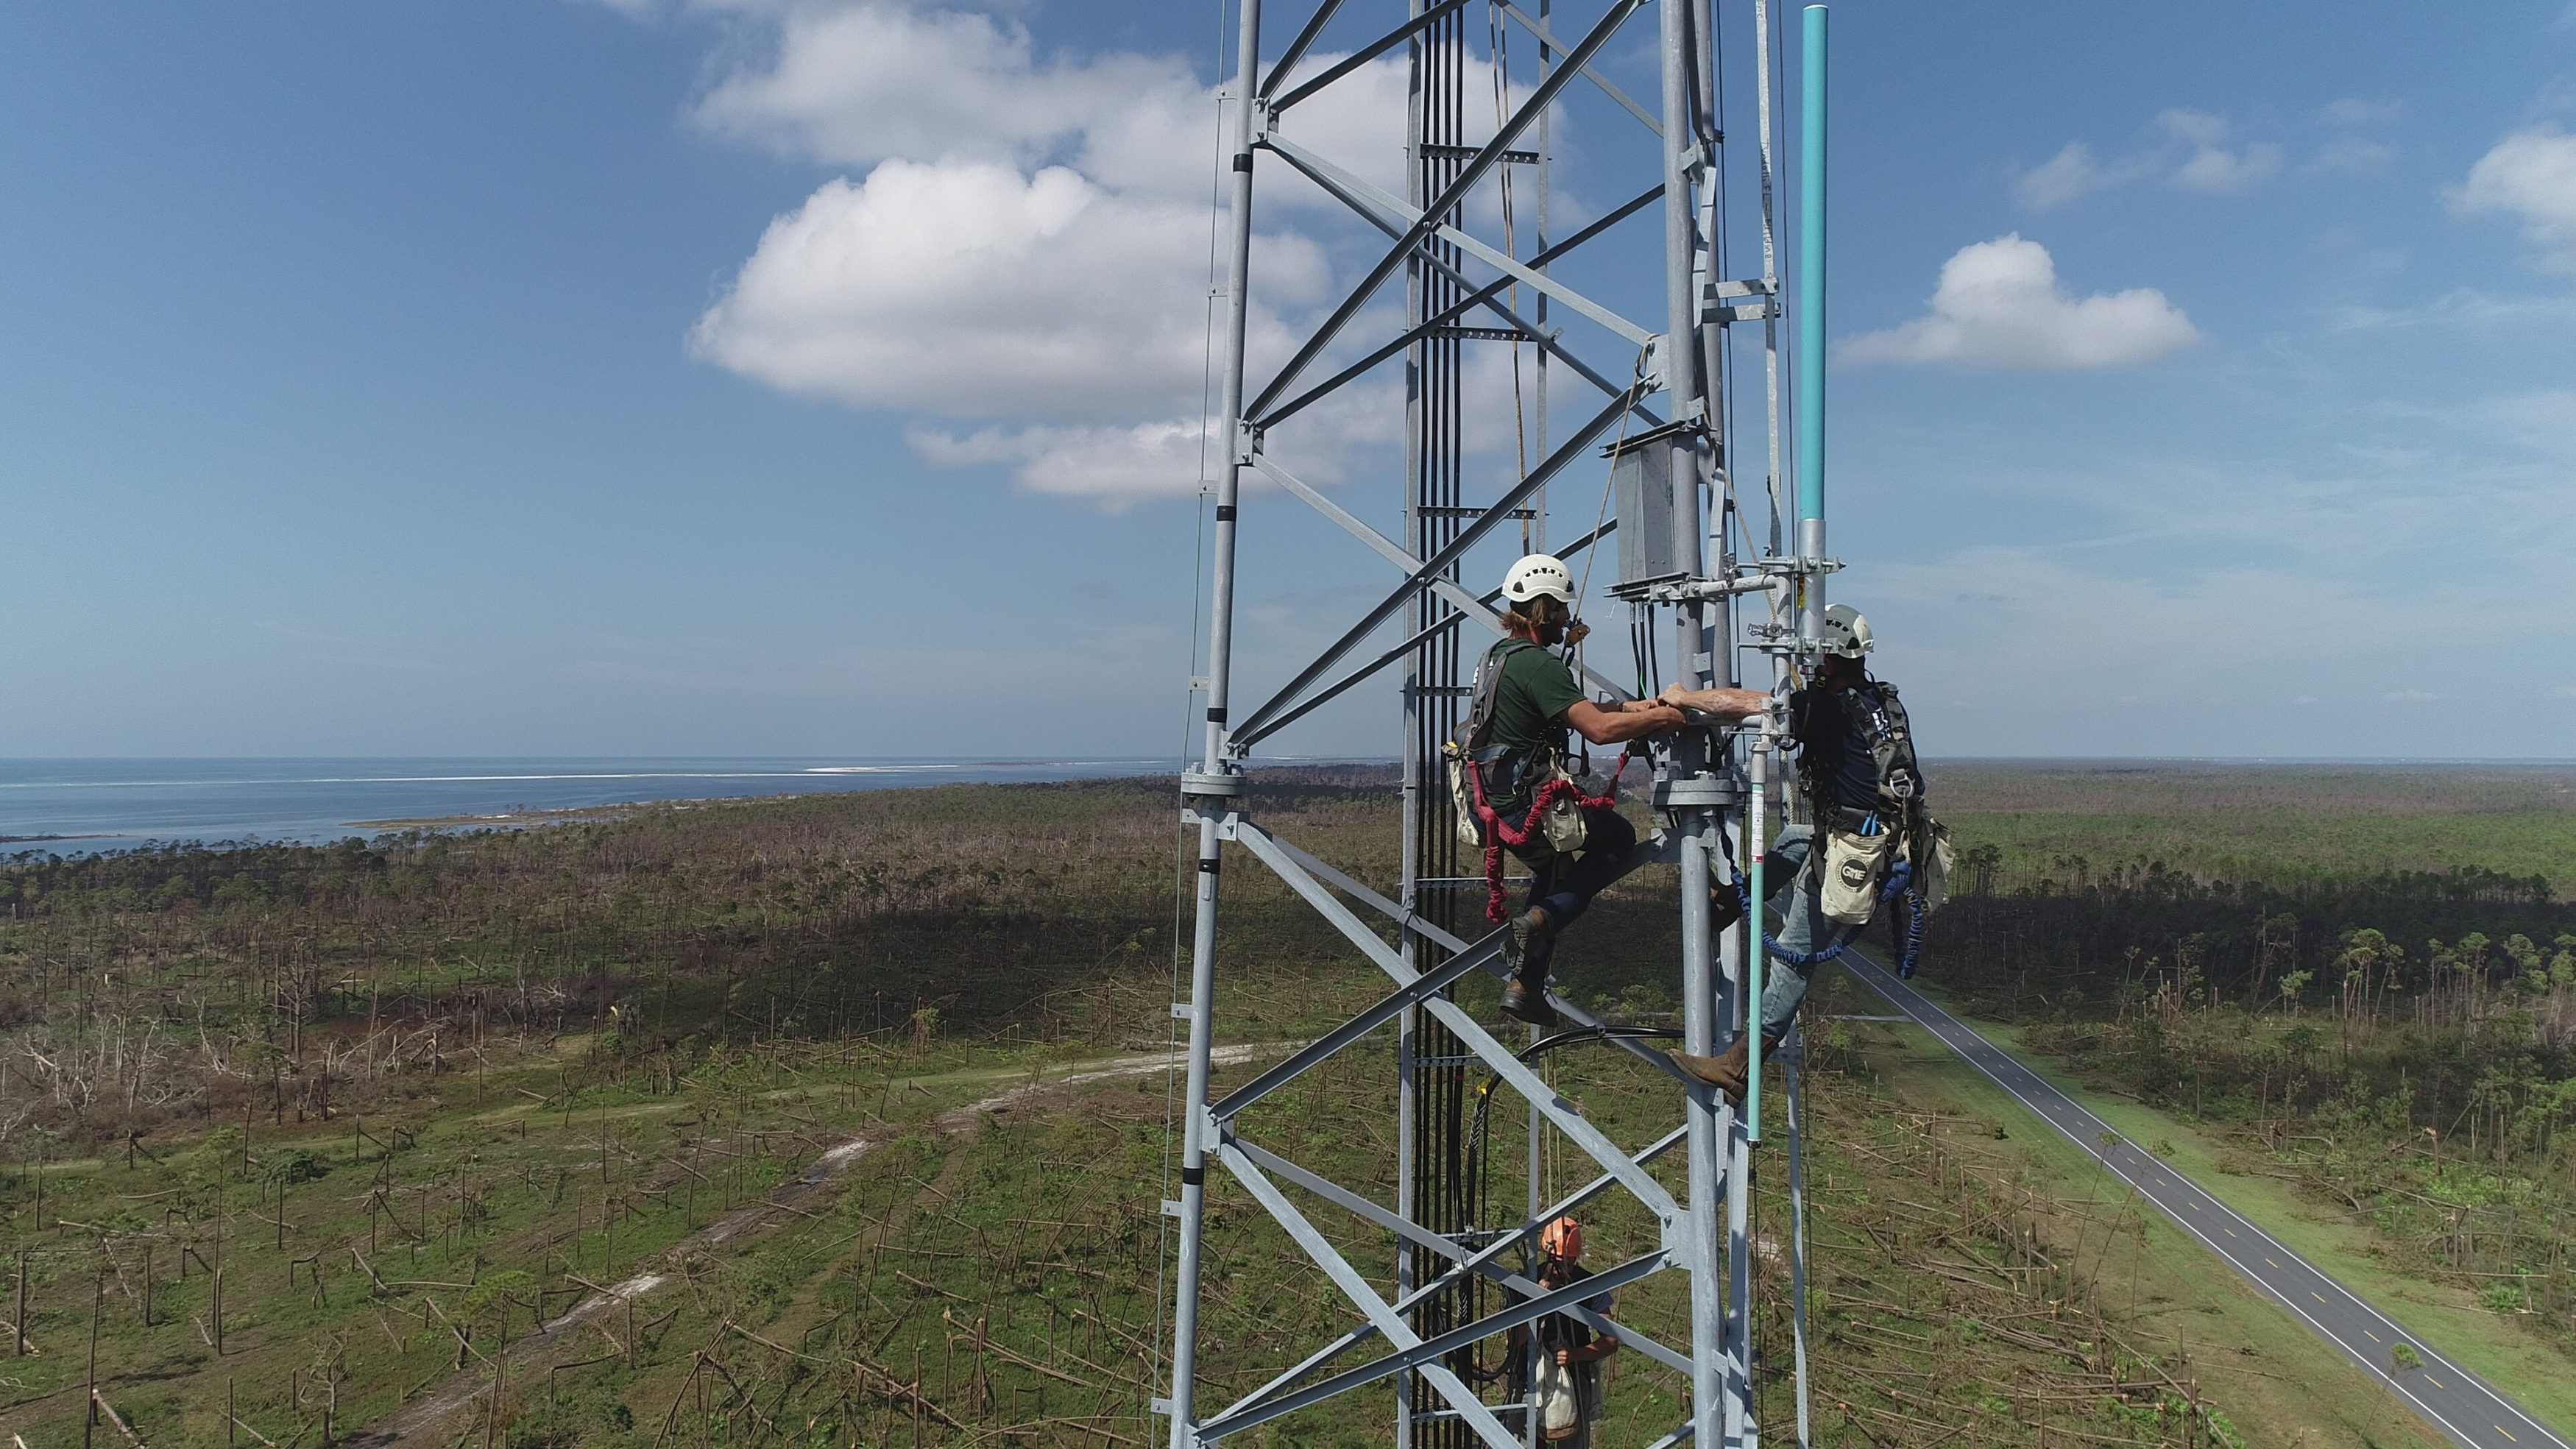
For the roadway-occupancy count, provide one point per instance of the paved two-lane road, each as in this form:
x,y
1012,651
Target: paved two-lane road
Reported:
x,y
2470,1411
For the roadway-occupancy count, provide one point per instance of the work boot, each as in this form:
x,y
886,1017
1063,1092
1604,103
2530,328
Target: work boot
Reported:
x,y
1726,1073
1528,943
1525,999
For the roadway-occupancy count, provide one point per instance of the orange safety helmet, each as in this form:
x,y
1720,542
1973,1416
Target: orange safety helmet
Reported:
x,y
1562,1239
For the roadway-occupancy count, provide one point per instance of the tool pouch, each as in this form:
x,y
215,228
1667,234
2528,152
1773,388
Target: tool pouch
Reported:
x,y
1560,1399
1855,864
1564,821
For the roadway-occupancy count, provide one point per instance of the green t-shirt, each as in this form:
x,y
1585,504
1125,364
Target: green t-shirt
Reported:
x,y
1530,701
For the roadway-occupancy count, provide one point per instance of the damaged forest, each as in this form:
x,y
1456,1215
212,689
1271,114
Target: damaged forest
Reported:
x,y
842,1120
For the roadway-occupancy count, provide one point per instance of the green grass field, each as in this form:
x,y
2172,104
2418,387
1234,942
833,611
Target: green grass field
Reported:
x,y
2274,824
2496,1346
2280,1382
416,1100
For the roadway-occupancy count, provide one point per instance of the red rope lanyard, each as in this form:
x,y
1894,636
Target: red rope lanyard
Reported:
x,y
1499,833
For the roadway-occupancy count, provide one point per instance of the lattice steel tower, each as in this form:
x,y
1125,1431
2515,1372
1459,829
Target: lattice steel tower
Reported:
x,y
1663,403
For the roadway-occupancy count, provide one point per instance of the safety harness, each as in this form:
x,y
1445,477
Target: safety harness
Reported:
x,y
1470,754
1873,710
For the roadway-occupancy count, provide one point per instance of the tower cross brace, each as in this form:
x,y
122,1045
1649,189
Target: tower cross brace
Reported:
x,y
1663,399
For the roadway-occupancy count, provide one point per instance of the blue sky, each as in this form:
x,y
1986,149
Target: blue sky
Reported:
x,y
558,376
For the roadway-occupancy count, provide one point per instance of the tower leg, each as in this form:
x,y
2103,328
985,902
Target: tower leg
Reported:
x,y
1794,1061
1212,761
1185,1301
1706,1137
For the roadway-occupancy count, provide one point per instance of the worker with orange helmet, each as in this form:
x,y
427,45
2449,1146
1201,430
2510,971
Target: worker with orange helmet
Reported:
x,y
1564,1381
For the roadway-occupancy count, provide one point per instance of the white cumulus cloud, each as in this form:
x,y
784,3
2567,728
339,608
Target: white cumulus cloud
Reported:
x,y
1018,255
2217,169
968,289
2184,148
1024,241
864,83
2530,176
2208,164
2000,304
2072,173
1112,466
1117,465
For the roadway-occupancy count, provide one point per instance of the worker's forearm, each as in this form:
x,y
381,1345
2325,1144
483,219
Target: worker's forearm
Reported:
x,y
1725,703
1603,727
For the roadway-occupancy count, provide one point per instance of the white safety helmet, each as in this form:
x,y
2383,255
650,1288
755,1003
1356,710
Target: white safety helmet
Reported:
x,y
1536,574
1846,631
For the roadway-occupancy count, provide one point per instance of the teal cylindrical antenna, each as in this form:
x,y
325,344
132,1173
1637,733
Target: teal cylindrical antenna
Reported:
x,y
1811,271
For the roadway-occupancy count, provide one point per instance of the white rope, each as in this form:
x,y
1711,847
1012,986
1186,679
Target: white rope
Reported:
x,y
1182,876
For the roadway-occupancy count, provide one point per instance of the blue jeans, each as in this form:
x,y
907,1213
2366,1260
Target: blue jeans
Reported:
x,y
1564,887
1804,927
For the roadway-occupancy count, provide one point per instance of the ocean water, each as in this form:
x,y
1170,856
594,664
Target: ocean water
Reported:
x,y
91,805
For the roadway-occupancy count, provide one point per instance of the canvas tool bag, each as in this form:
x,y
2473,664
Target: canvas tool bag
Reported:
x,y
1560,1398
1856,860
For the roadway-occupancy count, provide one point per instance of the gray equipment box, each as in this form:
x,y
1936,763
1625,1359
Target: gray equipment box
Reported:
x,y
1651,550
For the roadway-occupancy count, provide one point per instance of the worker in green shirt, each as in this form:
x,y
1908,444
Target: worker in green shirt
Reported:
x,y
1522,744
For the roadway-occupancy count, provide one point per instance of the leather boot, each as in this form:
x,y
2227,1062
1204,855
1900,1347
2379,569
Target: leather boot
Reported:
x,y
1726,1073
1528,942
1525,999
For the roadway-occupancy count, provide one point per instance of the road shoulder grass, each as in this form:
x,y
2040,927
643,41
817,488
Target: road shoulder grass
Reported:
x,y
2281,1384
2447,1318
